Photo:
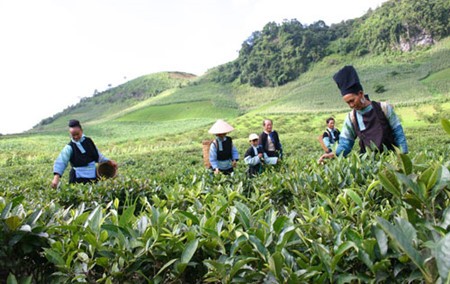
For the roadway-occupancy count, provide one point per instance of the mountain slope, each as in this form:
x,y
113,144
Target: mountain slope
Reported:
x,y
115,100
406,80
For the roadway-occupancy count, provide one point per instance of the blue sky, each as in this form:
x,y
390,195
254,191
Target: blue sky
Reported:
x,y
55,52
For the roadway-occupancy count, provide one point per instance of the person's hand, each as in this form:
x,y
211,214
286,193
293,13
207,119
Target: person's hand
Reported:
x,y
233,163
216,171
260,155
55,181
325,156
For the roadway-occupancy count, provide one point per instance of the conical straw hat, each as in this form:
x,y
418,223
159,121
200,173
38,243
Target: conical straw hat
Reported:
x,y
220,127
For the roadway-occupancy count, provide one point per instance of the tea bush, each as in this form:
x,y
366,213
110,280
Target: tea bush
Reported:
x,y
165,219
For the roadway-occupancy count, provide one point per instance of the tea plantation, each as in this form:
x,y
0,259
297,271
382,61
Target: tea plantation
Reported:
x,y
165,219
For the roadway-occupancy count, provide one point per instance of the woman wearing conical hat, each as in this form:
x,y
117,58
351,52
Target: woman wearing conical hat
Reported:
x,y
222,153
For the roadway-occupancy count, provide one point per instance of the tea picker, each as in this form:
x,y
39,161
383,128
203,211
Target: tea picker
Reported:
x,y
82,154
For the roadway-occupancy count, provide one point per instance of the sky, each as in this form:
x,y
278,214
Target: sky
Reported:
x,y
55,52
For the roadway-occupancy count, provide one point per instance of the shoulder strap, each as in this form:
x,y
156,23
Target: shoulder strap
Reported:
x,y
384,108
381,110
352,116
214,141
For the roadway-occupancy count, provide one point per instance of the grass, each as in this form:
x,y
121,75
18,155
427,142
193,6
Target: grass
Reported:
x,y
179,111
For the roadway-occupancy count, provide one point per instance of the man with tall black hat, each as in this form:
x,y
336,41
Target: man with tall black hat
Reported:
x,y
82,154
375,124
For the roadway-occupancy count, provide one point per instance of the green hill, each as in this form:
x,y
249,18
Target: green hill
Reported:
x,y
407,80
298,61
110,103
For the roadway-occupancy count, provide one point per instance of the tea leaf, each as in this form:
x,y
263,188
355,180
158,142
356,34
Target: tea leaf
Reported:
x,y
442,255
189,251
342,249
127,215
191,216
244,214
446,124
11,279
382,240
355,197
54,257
94,220
276,262
236,267
169,263
406,163
404,234
389,183
13,222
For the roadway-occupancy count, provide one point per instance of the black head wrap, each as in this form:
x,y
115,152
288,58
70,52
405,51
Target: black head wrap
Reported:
x,y
74,123
347,80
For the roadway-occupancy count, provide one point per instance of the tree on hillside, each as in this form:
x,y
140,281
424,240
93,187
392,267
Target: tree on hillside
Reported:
x,y
279,53
402,25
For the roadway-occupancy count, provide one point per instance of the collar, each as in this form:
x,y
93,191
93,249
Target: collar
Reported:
x,y
79,141
365,110
78,144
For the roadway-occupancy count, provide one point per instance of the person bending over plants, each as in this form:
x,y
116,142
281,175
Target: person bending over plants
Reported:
x,y
374,123
82,154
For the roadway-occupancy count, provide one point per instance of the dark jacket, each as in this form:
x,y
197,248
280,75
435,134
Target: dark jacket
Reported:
x,y
276,141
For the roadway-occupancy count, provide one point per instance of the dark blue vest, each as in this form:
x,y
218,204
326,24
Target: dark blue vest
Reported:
x,y
226,153
378,130
79,159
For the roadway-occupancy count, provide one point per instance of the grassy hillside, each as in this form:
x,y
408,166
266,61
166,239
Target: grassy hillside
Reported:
x,y
108,104
408,79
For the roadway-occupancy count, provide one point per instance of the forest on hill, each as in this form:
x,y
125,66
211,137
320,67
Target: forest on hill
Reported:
x,y
279,53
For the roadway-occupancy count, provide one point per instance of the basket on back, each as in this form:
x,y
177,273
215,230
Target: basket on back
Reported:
x,y
206,144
